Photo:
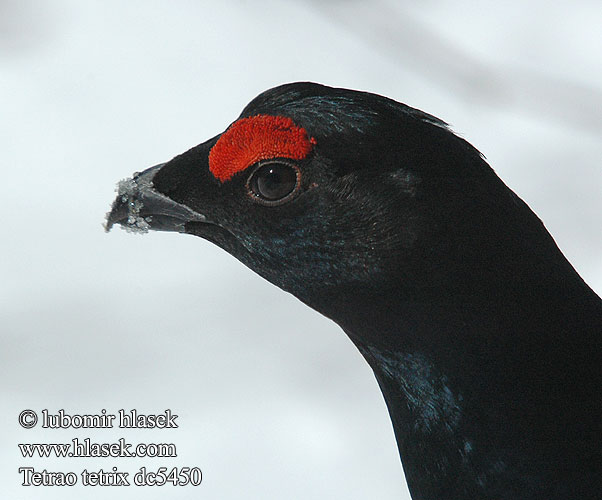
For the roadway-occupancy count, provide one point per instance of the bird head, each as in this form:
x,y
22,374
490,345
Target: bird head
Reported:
x,y
324,191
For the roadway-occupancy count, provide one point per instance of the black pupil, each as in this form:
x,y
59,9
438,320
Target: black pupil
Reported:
x,y
275,181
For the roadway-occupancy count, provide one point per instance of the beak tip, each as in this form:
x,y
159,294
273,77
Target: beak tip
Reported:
x,y
126,207
139,208
128,219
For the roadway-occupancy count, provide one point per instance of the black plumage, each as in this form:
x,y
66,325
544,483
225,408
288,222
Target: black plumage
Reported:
x,y
485,341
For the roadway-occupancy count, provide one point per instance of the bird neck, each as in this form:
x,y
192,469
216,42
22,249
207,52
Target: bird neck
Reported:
x,y
426,413
467,379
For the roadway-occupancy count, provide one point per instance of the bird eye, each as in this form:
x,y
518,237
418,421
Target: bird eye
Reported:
x,y
274,183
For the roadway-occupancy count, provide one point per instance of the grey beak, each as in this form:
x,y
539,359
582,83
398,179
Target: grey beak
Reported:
x,y
140,208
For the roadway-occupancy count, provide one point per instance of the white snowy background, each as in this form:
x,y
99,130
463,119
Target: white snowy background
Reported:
x,y
273,400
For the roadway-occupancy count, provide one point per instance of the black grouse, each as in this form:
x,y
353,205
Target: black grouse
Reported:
x,y
484,340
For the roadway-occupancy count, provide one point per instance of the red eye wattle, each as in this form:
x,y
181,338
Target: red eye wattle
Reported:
x,y
256,138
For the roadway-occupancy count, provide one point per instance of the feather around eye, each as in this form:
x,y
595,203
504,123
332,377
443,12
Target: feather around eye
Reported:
x,y
260,137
